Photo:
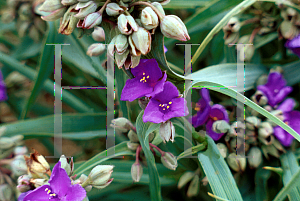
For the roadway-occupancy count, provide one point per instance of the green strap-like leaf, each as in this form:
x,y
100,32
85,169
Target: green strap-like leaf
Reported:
x,y
218,174
143,130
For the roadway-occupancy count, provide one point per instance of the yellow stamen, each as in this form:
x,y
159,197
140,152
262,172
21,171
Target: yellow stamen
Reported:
x,y
215,118
48,192
164,109
168,107
46,189
170,103
143,73
148,76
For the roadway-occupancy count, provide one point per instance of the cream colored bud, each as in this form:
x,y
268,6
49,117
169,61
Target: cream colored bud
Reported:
x,y
185,178
121,58
231,37
142,40
55,14
259,98
169,161
96,49
98,34
18,166
167,131
91,20
233,25
122,124
20,150
136,171
64,164
100,176
265,130
51,5
159,7
127,24
132,145
133,136
288,30
24,183
149,19
193,189
121,43
254,157
237,163
68,23
172,26
221,126
38,182
68,2
222,149
113,9
84,11
252,122
6,193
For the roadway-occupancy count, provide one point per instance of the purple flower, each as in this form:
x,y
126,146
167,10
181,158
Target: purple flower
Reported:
x,y
165,105
291,118
208,115
294,45
60,188
3,95
148,80
275,89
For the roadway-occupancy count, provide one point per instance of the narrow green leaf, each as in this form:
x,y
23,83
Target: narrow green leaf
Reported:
x,y
46,66
291,73
120,83
143,129
120,150
218,173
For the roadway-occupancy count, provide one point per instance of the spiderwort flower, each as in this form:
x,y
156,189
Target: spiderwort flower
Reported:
x,y
148,81
60,188
291,118
275,89
165,105
294,45
208,115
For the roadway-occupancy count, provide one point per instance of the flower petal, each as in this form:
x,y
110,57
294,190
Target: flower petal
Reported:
x,y
59,180
148,66
218,112
284,137
40,194
205,94
169,92
75,193
282,94
152,112
134,89
200,117
178,109
159,86
294,43
287,105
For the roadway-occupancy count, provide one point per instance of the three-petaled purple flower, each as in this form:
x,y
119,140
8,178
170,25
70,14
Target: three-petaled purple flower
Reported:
x,y
294,45
275,89
60,188
207,114
291,118
148,80
3,95
165,105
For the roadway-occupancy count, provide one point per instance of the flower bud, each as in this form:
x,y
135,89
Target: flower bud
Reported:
x,y
51,5
133,136
169,161
159,7
68,2
132,145
100,176
55,14
287,30
167,131
96,49
172,26
222,149
185,178
193,187
259,98
20,150
113,9
91,20
121,124
237,163
254,157
64,164
149,19
98,34
37,165
143,102
265,130
233,25
38,182
6,193
24,183
68,23
142,40
85,9
269,149
231,37
121,58
237,128
136,171
121,43
6,143
18,166
127,24
252,122
248,53
221,126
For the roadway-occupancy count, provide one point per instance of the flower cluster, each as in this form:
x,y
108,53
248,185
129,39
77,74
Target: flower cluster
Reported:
x,y
36,185
263,19
134,34
164,99
27,20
